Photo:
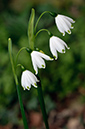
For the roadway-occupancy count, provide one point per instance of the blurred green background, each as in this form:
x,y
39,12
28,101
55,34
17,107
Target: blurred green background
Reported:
x,y
66,75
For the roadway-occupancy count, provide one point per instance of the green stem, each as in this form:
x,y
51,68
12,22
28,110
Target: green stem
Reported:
x,y
42,104
39,19
22,67
23,48
17,86
11,59
49,33
22,108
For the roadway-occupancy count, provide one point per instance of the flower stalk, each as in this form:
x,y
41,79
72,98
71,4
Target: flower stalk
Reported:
x,y
39,20
23,48
42,104
17,84
49,33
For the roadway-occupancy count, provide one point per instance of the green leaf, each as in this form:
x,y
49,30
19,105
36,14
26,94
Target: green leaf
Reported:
x,y
31,30
17,86
11,59
10,46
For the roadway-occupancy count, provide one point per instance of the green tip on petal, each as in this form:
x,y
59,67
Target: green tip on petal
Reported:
x,y
28,88
35,71
63,34
73,20
72,26
43,66
63,50
23,88
35,85
68,48
69,31
55,57
51,58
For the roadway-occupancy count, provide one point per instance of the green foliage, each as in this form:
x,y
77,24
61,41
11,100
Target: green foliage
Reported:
x,y
31,29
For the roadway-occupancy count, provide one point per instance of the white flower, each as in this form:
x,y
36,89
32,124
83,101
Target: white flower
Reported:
x,y
64,23
37,60
57,44
28,79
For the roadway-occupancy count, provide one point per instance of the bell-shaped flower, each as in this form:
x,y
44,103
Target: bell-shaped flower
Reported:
x,y
28,79
64,23
38,60
57,44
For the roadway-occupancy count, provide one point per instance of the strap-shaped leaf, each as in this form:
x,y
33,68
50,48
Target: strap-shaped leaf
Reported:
x,y
31,30
10,46
17,85
11,59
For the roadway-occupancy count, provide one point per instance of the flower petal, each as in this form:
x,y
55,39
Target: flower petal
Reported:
x,y
58,45
45,56
53,50
62,42
59,25
34,63
69,19
32,78
65,26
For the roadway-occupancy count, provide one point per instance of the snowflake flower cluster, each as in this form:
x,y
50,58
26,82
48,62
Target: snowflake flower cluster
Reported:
x,y
64,24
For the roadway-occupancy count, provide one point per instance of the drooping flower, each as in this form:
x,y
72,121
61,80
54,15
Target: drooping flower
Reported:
x,y
57,44
28,79
64,23
37,60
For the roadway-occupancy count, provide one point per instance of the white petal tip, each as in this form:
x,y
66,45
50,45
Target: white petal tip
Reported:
x,y
51,58
23,88
63,51
43,66
72,26
35,85
28,88
73,21
36,72
63,34
55,57
38,80
69,32
68,48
